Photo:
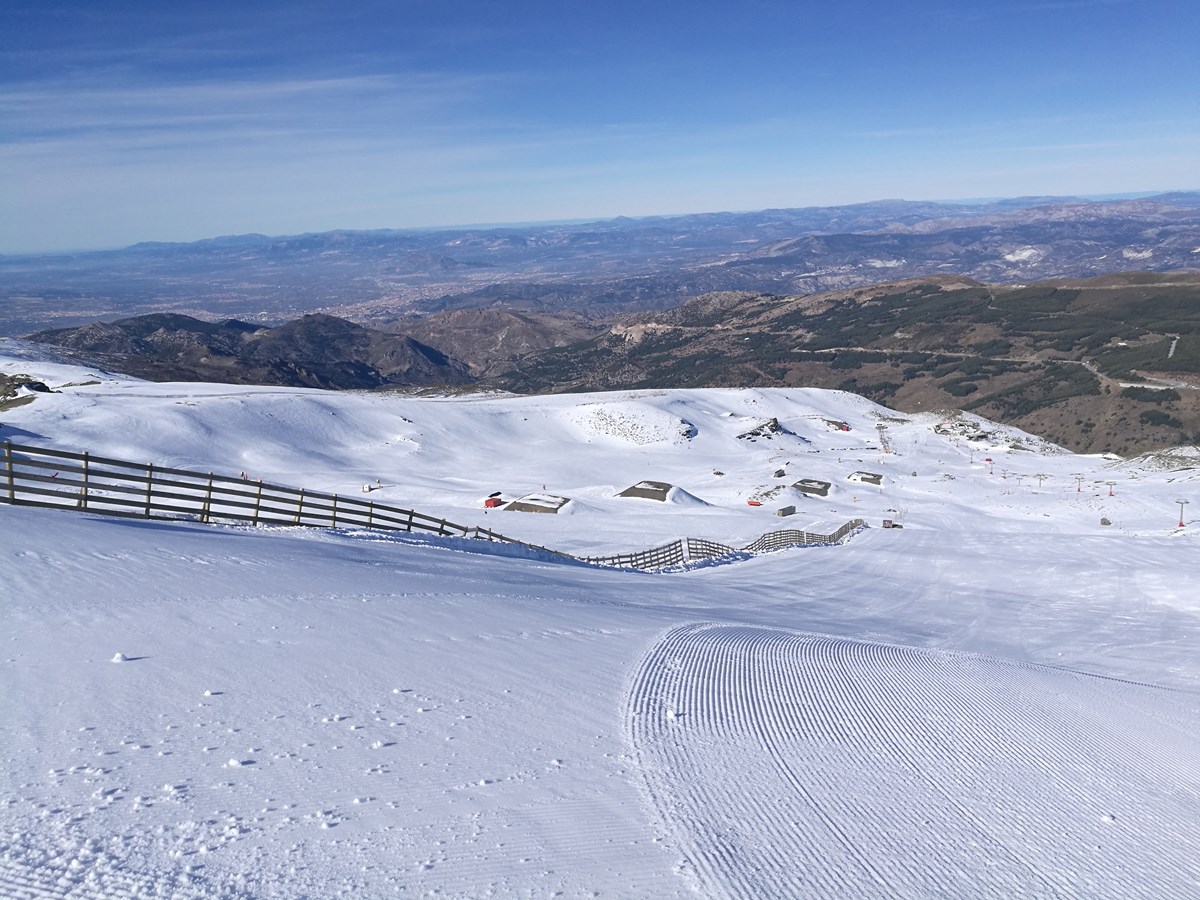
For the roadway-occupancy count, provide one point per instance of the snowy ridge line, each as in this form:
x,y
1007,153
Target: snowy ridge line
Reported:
x,y
61,479
869,769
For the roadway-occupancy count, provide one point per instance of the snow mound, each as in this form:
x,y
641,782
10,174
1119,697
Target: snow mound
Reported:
x,y
1169,459
631,422
680,497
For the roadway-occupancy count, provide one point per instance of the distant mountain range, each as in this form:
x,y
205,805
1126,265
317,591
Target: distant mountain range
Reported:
x,y
1109,363
600,268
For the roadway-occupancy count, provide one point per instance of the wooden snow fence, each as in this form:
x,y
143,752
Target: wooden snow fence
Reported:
x,y
690,549
58,479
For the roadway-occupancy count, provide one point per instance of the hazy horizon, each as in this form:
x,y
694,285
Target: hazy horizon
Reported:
x,y
583,220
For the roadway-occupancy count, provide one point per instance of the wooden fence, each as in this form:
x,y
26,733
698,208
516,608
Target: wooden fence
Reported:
x,y
690,549
37,476
58,479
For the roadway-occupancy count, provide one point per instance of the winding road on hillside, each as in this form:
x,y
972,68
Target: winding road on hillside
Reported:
x,y
787,764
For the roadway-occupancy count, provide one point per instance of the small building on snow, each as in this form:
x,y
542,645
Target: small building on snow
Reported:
x,y
648,490
538,503
812,487
865,478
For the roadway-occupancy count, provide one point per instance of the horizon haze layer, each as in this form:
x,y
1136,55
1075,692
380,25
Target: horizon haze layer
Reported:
x,y
587,220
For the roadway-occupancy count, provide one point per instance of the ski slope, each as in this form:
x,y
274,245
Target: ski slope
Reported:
x,y
1002,698
871,769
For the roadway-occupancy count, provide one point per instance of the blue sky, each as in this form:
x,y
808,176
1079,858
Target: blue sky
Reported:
x,y
122,122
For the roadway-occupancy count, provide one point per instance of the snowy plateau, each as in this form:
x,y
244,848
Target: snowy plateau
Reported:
x,y
1001,698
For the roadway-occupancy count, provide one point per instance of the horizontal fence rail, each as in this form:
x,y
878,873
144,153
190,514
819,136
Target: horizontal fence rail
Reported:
x,y
692,549
36,476
58,479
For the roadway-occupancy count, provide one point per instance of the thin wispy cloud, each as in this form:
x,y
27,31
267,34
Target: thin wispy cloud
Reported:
x,y
30,109
120,122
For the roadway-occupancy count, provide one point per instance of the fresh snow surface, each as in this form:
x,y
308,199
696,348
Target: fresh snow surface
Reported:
x,y
1000,699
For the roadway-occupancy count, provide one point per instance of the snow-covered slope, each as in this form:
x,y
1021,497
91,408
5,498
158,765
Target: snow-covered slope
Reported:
x,y
1001,698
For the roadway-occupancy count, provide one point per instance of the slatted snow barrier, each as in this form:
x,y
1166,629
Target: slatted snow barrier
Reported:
x,y
59,479
691,549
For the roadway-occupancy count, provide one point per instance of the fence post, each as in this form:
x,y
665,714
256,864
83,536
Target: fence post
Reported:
x,y
370,513
8,465
207,505
257,503
149,486
299,508
83,491
410,520
442,528
333,521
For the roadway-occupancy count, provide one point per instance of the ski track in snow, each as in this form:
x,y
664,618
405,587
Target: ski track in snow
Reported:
x,y
788,764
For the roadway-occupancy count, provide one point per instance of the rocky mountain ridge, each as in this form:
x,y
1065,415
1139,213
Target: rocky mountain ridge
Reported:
x,y
314,351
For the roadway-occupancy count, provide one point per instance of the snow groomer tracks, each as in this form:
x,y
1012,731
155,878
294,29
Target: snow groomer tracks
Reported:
x,y
788,764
